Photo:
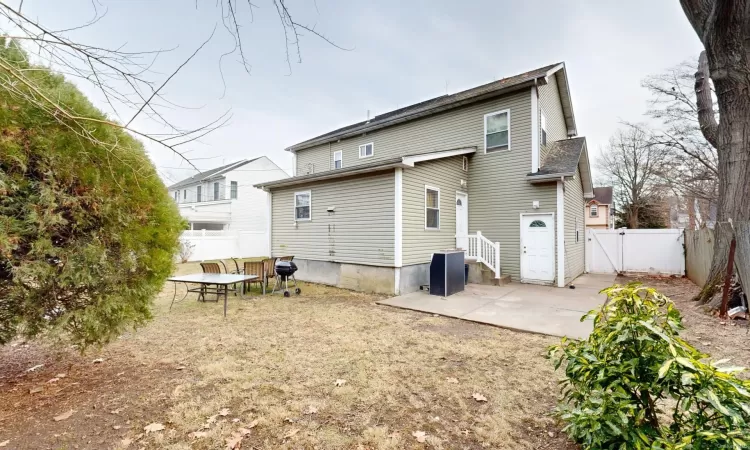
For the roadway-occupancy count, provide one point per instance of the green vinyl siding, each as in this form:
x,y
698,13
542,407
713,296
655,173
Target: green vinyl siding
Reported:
x,y
574,215
359,231
446,175
551,106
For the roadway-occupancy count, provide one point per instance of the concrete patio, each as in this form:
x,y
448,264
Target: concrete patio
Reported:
x,y
525,307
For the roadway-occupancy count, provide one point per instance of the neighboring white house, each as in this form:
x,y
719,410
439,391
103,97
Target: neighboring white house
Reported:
x,y
228,217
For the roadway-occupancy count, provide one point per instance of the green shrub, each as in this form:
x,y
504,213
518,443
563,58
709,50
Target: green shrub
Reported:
x,y
88,233
635,384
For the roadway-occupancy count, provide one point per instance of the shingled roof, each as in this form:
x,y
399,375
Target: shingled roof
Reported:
x,y
445,102
562,157
208,174
603,195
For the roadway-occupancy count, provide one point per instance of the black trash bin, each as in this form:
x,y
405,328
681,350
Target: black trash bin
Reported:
x,y
445,273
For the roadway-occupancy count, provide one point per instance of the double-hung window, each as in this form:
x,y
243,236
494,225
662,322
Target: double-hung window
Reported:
x,y
497,131
594,210
184,194
197,193
216,191
544,130
302,205
431,208
366,150
338,159
233,190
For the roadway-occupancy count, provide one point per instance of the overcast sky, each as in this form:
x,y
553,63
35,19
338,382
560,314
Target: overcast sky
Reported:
x,y
402,52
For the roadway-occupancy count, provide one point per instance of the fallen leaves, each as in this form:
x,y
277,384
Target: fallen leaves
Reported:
x,y
4,443
198,434
235,441
420,435
253,424
452,380
125,443
153,427
311,410
224,412
53,380
32,369
339,382
479,397
36,389
291,433
64,416
98,360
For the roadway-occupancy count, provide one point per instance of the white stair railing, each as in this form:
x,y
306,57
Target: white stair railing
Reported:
x,y
484,251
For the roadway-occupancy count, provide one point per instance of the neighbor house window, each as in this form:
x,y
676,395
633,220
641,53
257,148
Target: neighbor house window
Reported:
x,y
465,163
497,131
431,208
233,190
544,130
197,193
216,191
338,159
176,195
302,205
184,194
594,210
366,150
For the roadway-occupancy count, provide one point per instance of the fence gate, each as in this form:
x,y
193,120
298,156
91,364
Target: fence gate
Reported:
x,y
654,251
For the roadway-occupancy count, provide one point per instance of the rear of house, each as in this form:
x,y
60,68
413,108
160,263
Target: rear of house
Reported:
x,y
495,170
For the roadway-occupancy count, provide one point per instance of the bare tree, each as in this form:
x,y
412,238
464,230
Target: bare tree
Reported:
x,y
692,173
123,77
723,26
633,166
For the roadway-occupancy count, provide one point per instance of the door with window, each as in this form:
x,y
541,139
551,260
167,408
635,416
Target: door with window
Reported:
x,y
538,247
462,221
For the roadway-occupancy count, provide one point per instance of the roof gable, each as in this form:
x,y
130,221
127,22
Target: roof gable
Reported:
x,y
446,102
212,173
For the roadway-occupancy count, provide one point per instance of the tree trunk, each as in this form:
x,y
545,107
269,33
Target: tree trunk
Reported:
x,y
722,27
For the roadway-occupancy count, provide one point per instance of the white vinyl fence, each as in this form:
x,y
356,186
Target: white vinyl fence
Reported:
x,y
652,251
210,244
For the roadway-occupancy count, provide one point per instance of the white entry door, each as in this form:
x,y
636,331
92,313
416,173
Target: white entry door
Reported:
x,y
462,221
538,247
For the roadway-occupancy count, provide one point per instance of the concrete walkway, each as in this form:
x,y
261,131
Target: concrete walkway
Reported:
x,y
526,307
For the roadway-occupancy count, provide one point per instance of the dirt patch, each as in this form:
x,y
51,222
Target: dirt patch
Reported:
x,y
719,338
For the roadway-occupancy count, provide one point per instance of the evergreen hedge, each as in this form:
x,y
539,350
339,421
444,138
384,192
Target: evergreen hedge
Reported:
x,y
88,232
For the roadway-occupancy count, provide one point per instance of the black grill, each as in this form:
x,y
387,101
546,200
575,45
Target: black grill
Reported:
x,y
285,269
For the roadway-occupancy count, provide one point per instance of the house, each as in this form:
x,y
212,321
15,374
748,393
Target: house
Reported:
x,y
227,216
600,209
498,170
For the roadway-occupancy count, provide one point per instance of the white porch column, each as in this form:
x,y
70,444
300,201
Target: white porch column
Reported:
x,y
560,233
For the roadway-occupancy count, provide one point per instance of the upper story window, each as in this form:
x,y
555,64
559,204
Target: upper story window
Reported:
x,y
594,210
233,190
497,131
302,205
366,150
216,191
198,193
338,159
544,130
431,208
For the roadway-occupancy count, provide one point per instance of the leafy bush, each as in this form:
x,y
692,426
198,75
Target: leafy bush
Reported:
x,y
88,233
634,383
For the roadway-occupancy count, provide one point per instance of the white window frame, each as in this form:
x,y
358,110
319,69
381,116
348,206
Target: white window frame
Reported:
x,y
198,194
340,155
309,194
184,194
176,196
372,145
234,189
216,191
431,188
544,129
465,164
593,210
490,150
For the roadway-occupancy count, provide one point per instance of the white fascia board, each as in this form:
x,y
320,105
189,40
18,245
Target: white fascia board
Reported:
x,y
411,160
553,176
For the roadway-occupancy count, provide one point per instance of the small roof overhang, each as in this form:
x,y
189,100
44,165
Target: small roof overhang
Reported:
x,y
379,166
563,158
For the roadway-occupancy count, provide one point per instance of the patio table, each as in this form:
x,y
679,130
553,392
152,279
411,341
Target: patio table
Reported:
x,y
223,280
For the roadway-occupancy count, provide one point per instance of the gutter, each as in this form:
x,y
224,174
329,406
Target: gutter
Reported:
x,y
549,177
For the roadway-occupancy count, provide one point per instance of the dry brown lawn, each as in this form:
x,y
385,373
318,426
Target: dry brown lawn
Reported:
x,y
271,368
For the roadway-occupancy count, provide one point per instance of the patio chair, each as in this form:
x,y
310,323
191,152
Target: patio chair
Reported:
x,y
256,268
209,267
269,265
236,266
286,258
